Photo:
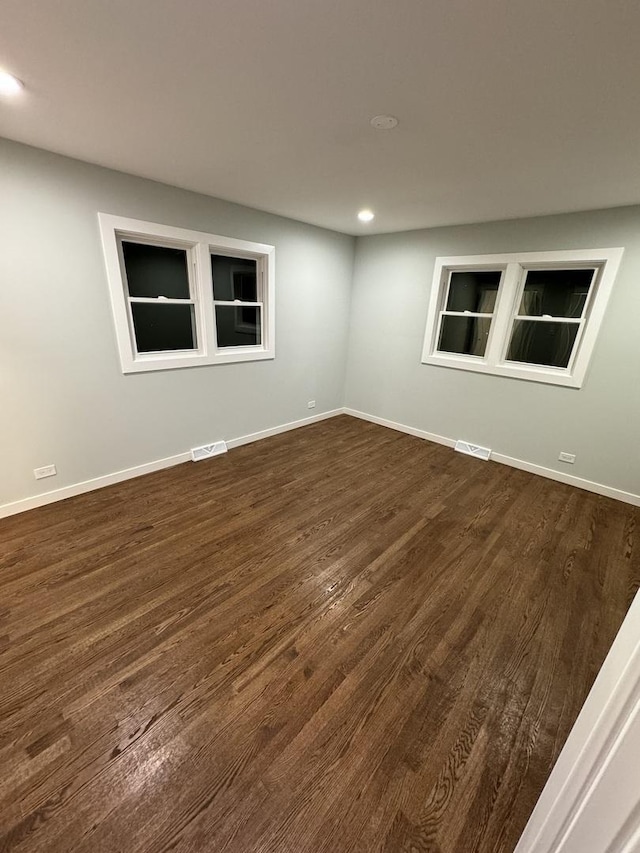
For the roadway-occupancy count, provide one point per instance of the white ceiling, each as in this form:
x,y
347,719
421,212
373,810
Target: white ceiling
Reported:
x,y
507,107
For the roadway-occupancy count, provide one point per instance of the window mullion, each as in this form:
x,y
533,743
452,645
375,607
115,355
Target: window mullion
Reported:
x,y
266,304
503,314
204,285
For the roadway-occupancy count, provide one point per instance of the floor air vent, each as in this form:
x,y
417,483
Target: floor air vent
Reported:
x,y
208,450
473,450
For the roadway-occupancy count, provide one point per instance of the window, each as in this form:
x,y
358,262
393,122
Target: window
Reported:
x,y
532,316
184,298
160,293
466,320
235,296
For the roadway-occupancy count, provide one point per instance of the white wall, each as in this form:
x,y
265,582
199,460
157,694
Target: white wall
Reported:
x,y
63,398
529,421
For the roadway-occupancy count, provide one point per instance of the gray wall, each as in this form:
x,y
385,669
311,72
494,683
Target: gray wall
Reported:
x,y
63,397
526,420
65,401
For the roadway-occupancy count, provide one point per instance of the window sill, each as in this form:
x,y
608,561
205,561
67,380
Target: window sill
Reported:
x,y
545,375
152,363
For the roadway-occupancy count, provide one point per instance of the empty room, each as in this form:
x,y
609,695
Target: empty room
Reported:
x,y
320,395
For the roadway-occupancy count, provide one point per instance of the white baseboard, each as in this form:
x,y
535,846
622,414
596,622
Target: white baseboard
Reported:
x,y
267,433
532,468
419,433
89,485
128,473
45,498
569,479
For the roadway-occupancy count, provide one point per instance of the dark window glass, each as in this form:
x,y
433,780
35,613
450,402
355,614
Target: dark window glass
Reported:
x,y
234,278
154,271
557,293
464,335
238,326
539,342
163,327
473,291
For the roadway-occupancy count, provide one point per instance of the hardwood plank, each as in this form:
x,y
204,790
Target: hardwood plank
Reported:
x,y
337,639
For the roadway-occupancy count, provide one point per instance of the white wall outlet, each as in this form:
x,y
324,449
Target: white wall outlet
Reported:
x,y
311,404
567,457
46,471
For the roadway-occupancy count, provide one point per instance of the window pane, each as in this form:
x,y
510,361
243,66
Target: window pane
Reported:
x,y
473,291
238,326
154,271
557,293
538,342
163,327
234,278
465,335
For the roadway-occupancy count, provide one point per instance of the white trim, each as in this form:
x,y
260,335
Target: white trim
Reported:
x,y
523,465
200,247
568,479
89,485
267,433
419,433
514,266
25,504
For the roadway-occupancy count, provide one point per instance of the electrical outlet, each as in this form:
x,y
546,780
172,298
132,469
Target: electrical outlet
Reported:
x,y
311,404
46,471
567,457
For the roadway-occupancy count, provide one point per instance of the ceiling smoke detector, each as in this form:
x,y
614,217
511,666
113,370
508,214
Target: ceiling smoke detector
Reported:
x,y
384,122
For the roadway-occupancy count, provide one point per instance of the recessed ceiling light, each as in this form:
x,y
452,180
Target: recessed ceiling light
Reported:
x,y
9,85
366,215
384,122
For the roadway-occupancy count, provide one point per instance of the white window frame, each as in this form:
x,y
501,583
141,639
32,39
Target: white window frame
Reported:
x,y
513,268
199,246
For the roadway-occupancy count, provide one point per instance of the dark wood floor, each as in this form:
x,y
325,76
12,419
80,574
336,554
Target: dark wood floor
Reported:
x,y
338,639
